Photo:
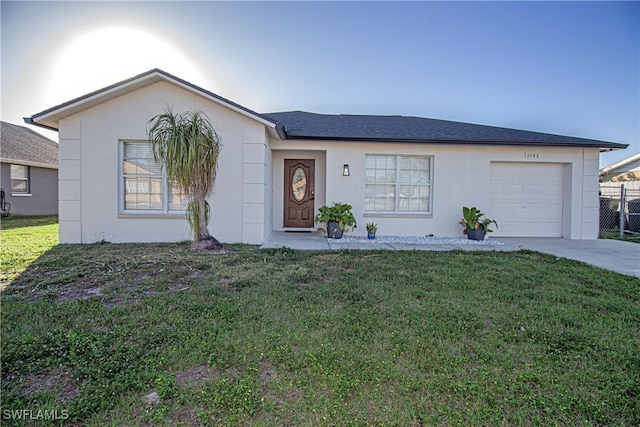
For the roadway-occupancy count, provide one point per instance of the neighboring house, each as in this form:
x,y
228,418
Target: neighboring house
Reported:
x,y
29,171
626,171
410,175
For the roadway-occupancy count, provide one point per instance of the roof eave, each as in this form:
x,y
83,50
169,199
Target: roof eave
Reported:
x,y
604,146
49,118
281,130
28,163
30,121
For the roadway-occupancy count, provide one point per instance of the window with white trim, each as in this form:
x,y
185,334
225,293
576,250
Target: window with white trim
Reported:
x,y
20,179
144,185
397,184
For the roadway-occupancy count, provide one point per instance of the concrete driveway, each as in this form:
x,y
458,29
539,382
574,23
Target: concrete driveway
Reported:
x,y
614,255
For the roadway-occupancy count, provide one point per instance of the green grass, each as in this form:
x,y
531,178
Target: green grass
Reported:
x,y
615,234
23,240
282,337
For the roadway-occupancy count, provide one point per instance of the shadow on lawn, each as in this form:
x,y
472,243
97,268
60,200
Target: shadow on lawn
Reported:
x,y
112,273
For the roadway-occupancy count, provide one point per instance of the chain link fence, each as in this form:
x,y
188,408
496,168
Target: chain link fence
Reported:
x,y
619,211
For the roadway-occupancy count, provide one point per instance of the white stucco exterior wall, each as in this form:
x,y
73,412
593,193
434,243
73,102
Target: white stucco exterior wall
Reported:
x,y
590,195
254,185
90,198
69,183
461,175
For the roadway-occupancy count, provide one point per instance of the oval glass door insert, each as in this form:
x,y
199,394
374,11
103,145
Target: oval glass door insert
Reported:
x,y
299,184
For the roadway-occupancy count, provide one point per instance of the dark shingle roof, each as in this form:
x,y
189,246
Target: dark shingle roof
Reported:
x,y
21,145
304,125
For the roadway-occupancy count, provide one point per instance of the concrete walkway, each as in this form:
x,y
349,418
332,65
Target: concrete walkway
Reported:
x,y
614,255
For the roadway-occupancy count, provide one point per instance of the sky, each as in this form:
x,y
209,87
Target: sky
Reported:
x,y
568,68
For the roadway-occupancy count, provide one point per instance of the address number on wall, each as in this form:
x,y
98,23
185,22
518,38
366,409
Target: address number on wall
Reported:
x,y
528,155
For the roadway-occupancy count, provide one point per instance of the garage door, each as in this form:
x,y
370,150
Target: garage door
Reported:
x,y
526,199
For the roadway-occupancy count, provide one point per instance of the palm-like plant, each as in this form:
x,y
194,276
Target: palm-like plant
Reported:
x,y
189,147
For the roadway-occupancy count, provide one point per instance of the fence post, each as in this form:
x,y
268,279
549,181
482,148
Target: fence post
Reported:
x,y
623,197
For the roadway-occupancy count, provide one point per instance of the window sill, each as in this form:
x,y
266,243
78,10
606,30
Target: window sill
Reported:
x,y
20,194
397,215
151,216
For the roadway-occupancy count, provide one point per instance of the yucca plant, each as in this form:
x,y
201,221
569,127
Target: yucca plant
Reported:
x,y
189,147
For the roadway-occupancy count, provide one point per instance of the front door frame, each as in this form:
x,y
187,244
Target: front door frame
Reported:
x,y
298,214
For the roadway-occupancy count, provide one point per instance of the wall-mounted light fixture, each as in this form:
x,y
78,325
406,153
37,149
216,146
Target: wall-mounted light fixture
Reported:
x,y
345,170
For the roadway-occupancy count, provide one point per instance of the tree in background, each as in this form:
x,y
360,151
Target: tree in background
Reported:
x,y
189,147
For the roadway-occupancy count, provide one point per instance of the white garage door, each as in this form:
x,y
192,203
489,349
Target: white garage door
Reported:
x,y
526,199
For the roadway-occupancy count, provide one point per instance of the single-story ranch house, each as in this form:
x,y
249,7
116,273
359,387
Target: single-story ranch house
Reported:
x,y
410,175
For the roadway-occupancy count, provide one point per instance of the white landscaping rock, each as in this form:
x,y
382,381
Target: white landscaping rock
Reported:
x,y
152,398
416,240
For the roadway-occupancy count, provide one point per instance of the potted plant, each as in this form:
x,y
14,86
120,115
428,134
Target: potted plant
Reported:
x,y
337,218
371,230
475,224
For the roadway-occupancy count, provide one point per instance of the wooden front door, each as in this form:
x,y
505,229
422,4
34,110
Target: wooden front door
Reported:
x,y
299,192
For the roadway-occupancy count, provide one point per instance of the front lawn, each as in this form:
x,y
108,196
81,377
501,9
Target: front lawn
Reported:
x,y
111,334
23,240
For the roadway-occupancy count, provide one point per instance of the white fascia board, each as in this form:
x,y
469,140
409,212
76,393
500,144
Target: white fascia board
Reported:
x,y
27,163
52,117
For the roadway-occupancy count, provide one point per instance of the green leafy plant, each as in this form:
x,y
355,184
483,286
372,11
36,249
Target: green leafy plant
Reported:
x,y
372,228
474,219
340,213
